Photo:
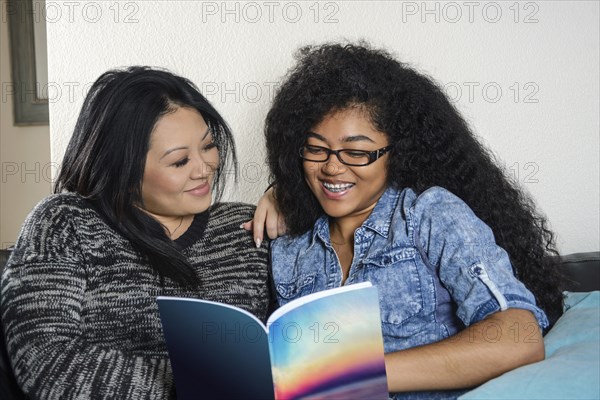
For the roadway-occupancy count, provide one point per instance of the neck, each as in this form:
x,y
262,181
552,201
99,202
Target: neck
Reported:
x,y
341,230
177,226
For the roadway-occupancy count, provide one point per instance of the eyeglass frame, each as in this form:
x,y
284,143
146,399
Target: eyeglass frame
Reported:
x,y
373,155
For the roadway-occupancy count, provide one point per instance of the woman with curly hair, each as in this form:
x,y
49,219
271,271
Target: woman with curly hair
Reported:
x,y
380,179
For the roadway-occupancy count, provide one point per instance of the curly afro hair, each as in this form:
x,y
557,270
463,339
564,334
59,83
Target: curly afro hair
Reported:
x,y
432,146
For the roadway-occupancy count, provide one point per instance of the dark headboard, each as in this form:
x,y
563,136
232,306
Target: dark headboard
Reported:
x,y
582,271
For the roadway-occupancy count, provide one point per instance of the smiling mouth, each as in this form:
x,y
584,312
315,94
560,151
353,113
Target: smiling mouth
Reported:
x,y
199,190
337,187
199,187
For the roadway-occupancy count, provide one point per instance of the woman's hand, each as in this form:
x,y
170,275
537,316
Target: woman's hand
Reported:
x,y
266,215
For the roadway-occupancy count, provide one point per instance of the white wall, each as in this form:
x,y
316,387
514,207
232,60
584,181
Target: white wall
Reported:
x,y
24,155
524,74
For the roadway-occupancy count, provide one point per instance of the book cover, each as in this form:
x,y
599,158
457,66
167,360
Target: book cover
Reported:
x,y
327,345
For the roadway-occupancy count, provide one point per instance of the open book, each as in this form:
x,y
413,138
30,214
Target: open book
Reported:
x,y
327,345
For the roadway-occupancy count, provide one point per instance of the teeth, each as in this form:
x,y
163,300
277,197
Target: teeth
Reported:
x,y
336,188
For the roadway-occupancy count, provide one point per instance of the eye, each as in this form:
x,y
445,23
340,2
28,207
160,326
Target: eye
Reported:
x,y
209,146
181,162
314,150
355,153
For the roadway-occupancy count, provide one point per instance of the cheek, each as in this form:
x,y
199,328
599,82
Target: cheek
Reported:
x,y
310,171
159,182
211,160
377,176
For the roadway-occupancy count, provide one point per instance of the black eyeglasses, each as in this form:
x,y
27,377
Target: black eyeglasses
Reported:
x,y
354,158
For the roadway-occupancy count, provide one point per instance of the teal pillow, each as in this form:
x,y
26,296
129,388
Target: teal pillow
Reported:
x,y
571,369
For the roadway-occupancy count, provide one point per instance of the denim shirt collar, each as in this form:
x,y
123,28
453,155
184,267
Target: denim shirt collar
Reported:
x,y
378,221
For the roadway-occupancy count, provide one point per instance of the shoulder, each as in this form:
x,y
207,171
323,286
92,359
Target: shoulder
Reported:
x,y
231,212
225,220
232,206
288,246
63,215
60,210
439,216
60,202
56,229
433,197
435,204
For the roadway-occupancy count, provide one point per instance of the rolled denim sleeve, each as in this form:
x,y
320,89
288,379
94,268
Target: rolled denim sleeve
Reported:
x,y
462,250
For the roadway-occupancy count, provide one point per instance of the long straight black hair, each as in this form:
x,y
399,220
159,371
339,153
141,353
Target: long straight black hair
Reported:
x,y
105,158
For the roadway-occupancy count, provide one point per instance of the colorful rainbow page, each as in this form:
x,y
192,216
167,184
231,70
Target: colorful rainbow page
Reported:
x,y
329,345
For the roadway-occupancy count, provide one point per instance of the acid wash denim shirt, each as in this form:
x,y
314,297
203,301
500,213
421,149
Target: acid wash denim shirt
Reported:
x,y
436,266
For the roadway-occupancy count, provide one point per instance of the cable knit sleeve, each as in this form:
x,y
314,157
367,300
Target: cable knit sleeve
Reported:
x,y
52,330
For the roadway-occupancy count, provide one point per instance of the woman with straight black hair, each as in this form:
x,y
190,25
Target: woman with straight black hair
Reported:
x,y
132,218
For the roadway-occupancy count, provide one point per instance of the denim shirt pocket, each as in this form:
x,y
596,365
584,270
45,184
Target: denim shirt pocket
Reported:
x,y
300,286
394,272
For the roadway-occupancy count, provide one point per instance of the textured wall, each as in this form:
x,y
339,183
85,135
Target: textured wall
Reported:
x,y
524,74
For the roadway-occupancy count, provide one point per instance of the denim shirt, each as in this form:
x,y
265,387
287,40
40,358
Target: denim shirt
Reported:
x,y
436,266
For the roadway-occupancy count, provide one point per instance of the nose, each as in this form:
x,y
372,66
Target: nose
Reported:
x,y
202,168
333,166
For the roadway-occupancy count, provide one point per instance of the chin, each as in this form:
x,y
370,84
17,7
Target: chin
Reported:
x,y
200,207
336,212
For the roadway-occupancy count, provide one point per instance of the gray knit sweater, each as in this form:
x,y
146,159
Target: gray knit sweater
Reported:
x,y
79,303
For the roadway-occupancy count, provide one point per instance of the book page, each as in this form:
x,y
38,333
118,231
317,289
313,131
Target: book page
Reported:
x,y
299,302
216,350
330,347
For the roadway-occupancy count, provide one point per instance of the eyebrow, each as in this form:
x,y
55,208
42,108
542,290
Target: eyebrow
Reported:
x,y
345,139
206,133
183,147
